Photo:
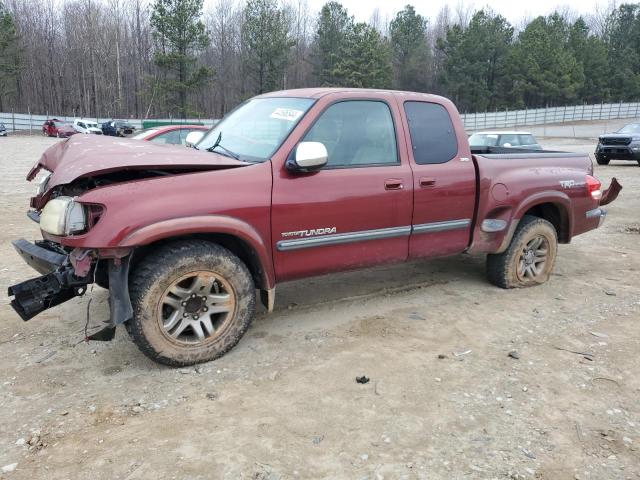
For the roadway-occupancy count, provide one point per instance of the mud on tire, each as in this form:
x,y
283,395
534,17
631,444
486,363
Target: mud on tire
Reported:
x,y
186,279
522,264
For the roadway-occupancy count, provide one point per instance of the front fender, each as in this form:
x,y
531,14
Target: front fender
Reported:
x,y
207,224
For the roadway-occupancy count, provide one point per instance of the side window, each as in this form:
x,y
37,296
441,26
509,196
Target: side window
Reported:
x,y
81,125
356,133
509,140
433,138
172,137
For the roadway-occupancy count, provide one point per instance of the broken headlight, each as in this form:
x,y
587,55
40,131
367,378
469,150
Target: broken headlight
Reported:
x,y
63,216
42,184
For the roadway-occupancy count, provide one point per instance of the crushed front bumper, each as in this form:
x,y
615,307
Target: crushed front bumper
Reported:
x,y
60,281
56,285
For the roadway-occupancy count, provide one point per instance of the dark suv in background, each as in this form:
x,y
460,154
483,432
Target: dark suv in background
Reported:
x,y
621,145
117,128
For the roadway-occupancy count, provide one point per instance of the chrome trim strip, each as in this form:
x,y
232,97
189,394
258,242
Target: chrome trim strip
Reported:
x,y
340,238
379,234
440,226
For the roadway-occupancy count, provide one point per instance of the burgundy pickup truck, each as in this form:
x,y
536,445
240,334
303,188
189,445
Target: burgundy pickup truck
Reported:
x,y
289,185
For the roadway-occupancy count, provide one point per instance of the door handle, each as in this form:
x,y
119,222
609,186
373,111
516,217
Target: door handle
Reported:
x,y
427,182
393,184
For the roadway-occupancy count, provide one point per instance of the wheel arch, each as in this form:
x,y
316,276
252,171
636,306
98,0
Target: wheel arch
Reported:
x,y
557,215
233,234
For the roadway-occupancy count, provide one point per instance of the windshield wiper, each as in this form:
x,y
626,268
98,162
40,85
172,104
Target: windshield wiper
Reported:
x,y
217,145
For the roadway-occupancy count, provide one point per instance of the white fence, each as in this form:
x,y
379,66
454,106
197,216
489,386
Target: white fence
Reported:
x,y
472,121
15,122
544,116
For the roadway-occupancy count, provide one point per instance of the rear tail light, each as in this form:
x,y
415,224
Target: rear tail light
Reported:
x,y
593,187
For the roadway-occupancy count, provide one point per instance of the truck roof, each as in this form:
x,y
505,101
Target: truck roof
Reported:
x,y
322,91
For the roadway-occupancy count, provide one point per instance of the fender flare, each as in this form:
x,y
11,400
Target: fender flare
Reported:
x,y
207,224
560,199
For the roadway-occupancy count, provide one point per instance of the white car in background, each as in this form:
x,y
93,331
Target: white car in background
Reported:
x,y
524,140
86,126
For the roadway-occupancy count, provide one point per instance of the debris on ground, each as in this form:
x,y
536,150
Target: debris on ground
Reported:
x,y
599,335
460,354
9,468
362,379
514,354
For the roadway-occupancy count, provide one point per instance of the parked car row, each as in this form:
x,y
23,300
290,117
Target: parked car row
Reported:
x,y
60,129
167,135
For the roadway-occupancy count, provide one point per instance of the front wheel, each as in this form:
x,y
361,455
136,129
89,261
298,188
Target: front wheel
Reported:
x,y
530,257
602,160
192,302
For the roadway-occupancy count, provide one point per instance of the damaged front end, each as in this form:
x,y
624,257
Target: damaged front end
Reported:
x,y
67,275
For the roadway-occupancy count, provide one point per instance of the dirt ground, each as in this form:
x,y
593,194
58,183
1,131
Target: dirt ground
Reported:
x,y
445,400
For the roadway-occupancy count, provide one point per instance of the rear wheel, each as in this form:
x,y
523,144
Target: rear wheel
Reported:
x,y
192,303
602,160
530,257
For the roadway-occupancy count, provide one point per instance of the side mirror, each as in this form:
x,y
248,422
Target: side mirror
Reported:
x,y
193,138
308,157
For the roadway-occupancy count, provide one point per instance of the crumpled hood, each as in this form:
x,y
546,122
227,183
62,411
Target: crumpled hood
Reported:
x,y
92,155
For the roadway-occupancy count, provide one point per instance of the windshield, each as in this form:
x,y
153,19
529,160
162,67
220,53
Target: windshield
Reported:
x,y
483,140
631,128
59,124
142,134
255,129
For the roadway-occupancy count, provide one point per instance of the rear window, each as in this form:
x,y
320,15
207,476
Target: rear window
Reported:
x,y
433,138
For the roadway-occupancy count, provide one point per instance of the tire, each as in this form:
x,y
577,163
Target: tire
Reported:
x,y
602,160
175,289
510,269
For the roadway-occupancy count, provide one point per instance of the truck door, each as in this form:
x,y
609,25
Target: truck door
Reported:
x,y
354,212
444,181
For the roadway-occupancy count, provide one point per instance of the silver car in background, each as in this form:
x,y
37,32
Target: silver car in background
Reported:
x,y
512,139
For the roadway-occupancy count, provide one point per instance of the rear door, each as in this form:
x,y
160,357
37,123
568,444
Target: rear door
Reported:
x,y
357,210
444,182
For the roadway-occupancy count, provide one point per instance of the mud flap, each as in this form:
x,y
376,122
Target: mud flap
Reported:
x,y
119,300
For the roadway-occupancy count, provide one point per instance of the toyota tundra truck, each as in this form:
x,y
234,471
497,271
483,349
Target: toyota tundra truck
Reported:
x,y
288,185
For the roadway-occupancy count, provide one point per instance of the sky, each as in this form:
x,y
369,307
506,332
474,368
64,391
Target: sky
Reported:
x,y
513,10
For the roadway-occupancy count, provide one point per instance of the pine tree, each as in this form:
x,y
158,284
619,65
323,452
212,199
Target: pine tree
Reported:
x,y
622,38
266,40
365,59
474,72
410,50
590,52
9,55
334,26
180,35
543,67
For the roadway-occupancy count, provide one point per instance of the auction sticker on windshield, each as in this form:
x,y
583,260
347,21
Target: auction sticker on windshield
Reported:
x,y
288,114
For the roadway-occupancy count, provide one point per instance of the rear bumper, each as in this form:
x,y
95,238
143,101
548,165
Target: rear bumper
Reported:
x,y
599,213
